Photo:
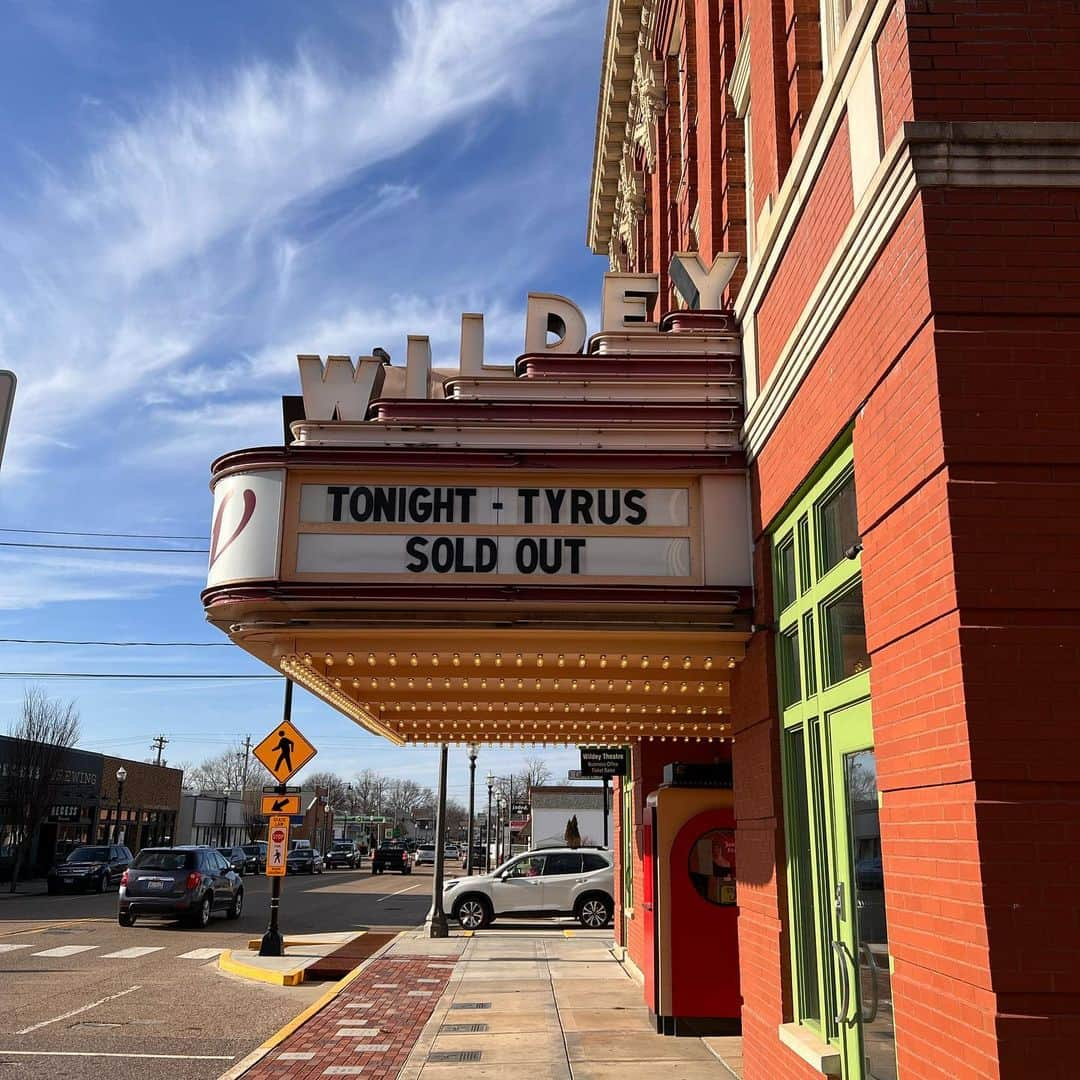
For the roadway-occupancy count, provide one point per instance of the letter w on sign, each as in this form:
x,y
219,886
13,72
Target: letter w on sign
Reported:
x,y
336,390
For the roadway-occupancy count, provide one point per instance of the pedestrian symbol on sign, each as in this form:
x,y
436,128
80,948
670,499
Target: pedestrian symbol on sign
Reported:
x,y
284,748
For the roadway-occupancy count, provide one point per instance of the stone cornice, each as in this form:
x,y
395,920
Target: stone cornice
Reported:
x,y
622,41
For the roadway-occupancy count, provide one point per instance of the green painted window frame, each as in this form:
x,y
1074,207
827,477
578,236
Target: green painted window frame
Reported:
x,y
810,917
627,837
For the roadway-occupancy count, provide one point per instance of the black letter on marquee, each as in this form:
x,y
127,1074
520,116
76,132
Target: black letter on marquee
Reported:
x,y
487,554
609,505
338,493
415,547
555,497
580,506
526,566
354,504
466,495
575,547
635,501
528,494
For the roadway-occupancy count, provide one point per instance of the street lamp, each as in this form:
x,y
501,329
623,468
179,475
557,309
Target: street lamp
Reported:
x,y
472,810
326,819
487,825
121,776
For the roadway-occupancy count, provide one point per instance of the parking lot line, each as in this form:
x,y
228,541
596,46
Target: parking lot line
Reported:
x,y
65,950
132,953
416,885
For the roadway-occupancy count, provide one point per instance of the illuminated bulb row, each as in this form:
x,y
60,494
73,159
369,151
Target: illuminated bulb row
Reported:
x,y
582,661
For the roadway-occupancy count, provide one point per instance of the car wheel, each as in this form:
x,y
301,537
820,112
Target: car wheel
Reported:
x,y
237,906
594,912
201,916
473,913
102,882
124,919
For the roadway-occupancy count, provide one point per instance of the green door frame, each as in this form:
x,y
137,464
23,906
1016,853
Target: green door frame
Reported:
x,y
825,714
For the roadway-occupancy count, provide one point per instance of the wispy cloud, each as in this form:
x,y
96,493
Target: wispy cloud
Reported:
x,y
132,264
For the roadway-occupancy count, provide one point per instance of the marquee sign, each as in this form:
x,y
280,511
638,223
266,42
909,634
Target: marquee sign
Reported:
x,y
347,525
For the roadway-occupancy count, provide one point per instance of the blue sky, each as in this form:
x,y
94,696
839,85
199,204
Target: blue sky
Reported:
x,y
194,193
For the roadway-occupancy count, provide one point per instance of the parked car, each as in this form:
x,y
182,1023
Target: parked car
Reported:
x,y
304,860
236,857
90,866
453,851
188,883
554,881
425,853
391,857
256,857
342,853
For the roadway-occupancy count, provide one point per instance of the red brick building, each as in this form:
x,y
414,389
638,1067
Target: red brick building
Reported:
x,y
902,185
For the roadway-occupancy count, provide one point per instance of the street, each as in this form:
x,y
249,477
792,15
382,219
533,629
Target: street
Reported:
x,y
85,997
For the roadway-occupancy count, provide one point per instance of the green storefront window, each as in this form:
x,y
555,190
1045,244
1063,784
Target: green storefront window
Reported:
x,y
790,684
806,960
838,523
845,633
785,573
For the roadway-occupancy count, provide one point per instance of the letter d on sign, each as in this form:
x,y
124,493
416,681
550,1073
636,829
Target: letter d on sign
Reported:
x,y
546,313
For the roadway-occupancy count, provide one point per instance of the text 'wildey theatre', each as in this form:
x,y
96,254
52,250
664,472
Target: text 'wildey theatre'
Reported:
x,y
856,393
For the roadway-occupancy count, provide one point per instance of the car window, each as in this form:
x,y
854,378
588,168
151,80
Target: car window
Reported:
x,y
529,866
562,862
594,862
89,854
164,860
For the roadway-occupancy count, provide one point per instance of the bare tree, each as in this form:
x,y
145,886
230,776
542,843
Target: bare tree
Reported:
x,y
405,796
330,785
227,771
536,773
369,792
46,729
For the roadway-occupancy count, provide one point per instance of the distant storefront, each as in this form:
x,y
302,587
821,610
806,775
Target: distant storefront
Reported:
x,y
85,805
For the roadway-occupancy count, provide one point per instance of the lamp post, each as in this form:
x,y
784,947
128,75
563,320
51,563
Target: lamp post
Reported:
x,y
121,776
472,810
326,819
437,925
487,825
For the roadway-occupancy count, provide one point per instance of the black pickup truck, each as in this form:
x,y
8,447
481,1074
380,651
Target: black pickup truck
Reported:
x,y
391,857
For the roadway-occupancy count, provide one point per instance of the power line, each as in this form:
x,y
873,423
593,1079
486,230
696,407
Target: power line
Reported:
x,y
121,644
104,547
116,675
115,535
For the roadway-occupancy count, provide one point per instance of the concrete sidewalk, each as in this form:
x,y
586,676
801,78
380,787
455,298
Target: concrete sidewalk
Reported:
x,y
552,1003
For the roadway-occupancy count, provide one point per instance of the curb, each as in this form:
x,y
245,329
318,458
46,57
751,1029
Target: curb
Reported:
x,y
258,974
283,1033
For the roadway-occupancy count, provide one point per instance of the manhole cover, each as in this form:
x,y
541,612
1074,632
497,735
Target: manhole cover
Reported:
x,y
454,1057
471,1005
463,1029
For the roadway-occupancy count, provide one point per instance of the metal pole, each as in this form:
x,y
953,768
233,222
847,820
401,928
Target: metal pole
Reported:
x,y
437,926
119,804
472,811
487,834
272,942
605,779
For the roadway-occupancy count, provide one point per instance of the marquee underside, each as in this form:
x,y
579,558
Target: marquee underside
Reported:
x,y
514,686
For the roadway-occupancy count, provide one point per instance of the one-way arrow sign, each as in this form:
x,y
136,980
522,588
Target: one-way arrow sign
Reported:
x,y
281,804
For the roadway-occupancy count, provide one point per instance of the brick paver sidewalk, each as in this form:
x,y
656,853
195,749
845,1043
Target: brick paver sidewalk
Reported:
x,y
368,1029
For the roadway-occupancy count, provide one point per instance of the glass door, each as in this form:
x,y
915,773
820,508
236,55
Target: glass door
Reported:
x,y
860,944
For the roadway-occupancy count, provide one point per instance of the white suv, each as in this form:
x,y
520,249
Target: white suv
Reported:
x,y
551,881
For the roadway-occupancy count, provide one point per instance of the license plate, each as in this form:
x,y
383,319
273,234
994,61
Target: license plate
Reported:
x,y
69,881
155,884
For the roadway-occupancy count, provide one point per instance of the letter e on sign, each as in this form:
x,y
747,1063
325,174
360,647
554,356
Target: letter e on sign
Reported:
x,y
7,399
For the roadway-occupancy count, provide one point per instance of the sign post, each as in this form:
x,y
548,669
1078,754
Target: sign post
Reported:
x,y
284,752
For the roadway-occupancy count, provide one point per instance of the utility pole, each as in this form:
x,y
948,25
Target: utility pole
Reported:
x,y
159,745
247,759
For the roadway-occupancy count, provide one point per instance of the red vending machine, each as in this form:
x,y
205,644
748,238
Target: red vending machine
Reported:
x,y
691,903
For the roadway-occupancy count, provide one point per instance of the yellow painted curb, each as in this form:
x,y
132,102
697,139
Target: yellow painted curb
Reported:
x,y
249,971
569,933
283,1033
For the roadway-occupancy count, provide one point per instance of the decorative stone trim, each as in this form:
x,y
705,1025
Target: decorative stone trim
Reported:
x,y
739,84
923,155
647,99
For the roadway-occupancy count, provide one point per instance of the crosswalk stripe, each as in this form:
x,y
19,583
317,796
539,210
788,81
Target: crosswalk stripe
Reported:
x,y
131,954
6,947
201,954
66,950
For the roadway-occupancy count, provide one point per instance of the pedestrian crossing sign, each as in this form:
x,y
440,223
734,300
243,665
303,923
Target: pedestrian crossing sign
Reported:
x,y
284,751
277,845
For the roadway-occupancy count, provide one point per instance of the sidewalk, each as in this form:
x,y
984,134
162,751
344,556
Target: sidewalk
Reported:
x,y
550,1003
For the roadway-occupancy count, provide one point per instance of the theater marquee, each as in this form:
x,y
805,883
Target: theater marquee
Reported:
x,y
356,528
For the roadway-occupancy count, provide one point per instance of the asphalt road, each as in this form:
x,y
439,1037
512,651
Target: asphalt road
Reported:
x,y
72,1008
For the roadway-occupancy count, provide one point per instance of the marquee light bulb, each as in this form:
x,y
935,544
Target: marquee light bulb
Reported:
x,y
603,659
624,660
413,660
392,658
539,659
561,661
708,663
498,659
644,661
666,663
434,659
350,659
686,661
329,659
730,662
456,659
307,659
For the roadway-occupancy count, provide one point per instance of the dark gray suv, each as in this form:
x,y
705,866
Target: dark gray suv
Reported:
x,y
186,883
